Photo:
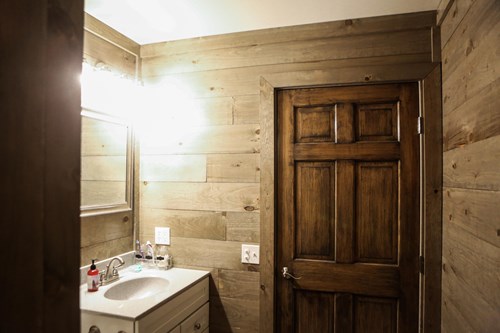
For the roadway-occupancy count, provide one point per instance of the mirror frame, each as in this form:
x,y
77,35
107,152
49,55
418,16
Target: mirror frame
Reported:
x,y
92,210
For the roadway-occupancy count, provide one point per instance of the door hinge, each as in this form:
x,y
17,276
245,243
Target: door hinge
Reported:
x,y
421,264
420,125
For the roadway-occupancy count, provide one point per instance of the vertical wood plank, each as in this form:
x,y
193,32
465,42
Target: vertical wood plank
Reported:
x,y
432,191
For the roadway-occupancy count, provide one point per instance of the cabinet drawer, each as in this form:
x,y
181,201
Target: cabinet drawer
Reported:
x,y
197,322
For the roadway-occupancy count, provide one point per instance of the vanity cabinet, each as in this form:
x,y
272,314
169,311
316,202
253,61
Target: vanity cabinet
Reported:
x,y
186,311
195,323
183,312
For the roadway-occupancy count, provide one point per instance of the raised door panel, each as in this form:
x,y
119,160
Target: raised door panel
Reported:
x,y
347,217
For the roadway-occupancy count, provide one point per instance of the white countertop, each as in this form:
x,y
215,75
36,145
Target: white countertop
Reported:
x,y
179,279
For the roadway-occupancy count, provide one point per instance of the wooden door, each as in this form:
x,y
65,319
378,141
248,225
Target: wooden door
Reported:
x,y
348,209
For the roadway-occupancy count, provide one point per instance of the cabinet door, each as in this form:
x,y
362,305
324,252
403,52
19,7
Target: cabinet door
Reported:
x,y
177,329
197,322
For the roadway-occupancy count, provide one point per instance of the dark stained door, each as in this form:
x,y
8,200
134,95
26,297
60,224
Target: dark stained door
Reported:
x,y
348,209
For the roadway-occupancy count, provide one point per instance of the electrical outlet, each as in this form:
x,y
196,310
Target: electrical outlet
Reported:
x,y
162,235
250,254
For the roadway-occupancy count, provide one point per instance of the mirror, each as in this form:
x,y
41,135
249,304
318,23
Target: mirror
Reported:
x,y
106,164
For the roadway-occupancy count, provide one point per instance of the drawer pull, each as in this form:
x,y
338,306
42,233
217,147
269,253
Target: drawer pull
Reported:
x,y
197,326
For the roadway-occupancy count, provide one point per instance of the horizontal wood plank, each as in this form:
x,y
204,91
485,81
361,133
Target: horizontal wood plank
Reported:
x,y
103,228
469,67
455,13
470,270
243,227
203,140
174,168
233,168
105,250
101,29
228,315
342,47
475,120
245,80
189,224
246,109
97,50
98,192
474,166
207,253
200,196
239,284
474,211
350,27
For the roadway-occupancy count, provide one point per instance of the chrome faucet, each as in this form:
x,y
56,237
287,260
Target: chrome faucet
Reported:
x,y
111,272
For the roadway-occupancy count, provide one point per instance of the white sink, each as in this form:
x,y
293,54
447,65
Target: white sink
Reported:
x,y
136,293
136,288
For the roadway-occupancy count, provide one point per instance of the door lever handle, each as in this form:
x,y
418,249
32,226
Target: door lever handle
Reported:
x,y
289,276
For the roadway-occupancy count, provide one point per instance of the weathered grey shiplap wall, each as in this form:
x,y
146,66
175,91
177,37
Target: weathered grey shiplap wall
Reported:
x,y
470,36
204,182
104,236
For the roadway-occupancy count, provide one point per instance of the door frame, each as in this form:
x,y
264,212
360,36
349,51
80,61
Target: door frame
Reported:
x,y
428,76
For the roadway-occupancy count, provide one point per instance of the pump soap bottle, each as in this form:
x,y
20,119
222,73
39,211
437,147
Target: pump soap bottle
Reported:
x,y
93,277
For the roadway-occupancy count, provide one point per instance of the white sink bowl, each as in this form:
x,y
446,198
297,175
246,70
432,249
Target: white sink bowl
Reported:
x,y
136,293
135,289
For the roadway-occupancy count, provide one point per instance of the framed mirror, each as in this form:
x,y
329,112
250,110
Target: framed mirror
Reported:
x,y
106,164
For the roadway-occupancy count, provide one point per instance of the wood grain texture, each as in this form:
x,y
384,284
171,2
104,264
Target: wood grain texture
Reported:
x,y
102,228
39,138
470,59
287,34
190,224
342,47
108,235
471,252
246,109
244,80
174,168
228,315
432,183
98,50
474,166
233,168
205,140
232,197
454,12
101,29
208,253
470,269
474,120
223,75
243,227
106,249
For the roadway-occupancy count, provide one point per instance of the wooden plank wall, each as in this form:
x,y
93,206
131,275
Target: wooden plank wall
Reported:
x,y
204,180
471,162
104,236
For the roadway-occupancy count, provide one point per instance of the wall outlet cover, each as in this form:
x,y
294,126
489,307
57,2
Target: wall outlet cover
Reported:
x,y
250,254
162,235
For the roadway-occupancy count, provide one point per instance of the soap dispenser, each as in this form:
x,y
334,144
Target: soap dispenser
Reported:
x,y
93,277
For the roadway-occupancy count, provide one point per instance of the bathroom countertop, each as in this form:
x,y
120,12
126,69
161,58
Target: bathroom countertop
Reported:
x,y
179,279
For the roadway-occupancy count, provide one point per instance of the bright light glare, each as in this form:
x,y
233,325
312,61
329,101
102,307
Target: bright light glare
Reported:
x,y
107,92
169,117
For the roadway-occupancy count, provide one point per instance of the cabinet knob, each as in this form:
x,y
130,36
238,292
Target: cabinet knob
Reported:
x,y
94,329
197,326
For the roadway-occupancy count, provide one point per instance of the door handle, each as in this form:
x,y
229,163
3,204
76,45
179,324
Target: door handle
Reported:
x,y
287,274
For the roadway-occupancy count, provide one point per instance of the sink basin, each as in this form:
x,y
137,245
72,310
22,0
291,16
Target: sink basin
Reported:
x,y
137,288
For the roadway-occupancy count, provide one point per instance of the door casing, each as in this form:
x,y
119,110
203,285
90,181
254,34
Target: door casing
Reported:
x,y
428,75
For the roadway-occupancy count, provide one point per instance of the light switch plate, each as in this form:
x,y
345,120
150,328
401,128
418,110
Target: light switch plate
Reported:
x,y
250,254
162,235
